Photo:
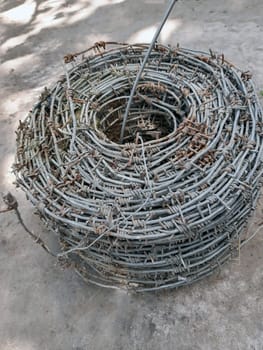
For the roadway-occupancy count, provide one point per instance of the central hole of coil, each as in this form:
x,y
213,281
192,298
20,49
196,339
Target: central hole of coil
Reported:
x,y
148,117
148,124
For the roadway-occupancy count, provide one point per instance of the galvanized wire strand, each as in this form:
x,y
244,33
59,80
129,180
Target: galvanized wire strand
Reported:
x,y
139,74
169,205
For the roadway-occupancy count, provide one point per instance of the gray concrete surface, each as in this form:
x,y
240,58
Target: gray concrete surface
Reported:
x,y
45,307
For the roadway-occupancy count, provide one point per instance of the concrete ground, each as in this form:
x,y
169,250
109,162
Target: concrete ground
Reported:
x,y
45,307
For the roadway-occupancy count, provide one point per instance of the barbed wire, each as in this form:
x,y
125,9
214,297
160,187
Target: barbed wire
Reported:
x,y
168,205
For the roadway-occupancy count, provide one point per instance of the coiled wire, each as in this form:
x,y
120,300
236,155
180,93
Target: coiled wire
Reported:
x,y
168,205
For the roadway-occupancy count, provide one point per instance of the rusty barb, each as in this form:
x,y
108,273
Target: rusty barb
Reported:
x,y
12,205
98,47
10,202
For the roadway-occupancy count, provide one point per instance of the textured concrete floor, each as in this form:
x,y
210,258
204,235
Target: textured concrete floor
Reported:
x,y
44,307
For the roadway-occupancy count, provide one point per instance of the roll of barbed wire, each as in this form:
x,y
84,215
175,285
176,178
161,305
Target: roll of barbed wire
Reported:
x,y
168,205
